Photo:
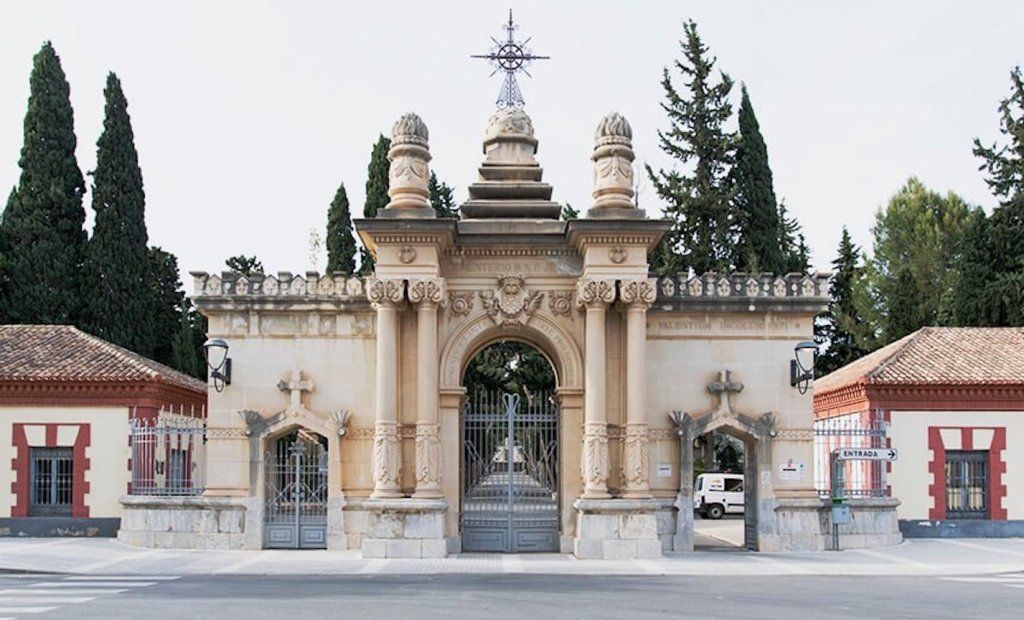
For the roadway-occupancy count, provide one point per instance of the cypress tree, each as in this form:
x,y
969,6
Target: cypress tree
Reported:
x,y
757,243
117,269
376,192
341,243
442,198
837,326
168,299
699,201
42,235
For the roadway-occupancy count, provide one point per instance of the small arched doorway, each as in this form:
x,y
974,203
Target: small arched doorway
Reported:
x,y
296,482
510,451
725,491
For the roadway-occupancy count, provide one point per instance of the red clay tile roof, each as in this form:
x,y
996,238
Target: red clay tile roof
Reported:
x,y
939,356
65,353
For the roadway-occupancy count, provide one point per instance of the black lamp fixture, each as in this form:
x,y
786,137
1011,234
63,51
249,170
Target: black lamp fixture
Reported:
x,y
216,351
801,367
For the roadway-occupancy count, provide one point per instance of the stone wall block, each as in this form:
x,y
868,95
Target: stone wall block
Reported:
x,y
587,549
639,526
229,521
400,548
374,548
649,549
618,549
434,548
424,525
158,520
598,526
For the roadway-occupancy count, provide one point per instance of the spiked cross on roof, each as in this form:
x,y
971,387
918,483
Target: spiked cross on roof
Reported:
x,y
510,56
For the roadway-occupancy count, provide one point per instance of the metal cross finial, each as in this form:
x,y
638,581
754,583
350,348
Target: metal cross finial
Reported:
x,y
510,56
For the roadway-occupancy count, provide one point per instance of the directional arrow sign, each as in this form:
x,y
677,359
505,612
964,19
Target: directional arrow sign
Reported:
x,y
866,454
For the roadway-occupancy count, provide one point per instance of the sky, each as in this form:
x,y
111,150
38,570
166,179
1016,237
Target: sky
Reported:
x,y
248,115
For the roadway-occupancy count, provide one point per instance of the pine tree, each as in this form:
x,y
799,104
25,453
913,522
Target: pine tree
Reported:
x,y
699,201
168,298
837,327
1004,165
341,243
568,213
244,265
376,193
42,235
117,270
757,243
442,198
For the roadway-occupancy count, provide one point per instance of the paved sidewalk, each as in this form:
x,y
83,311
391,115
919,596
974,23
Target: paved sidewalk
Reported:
x,y
913,558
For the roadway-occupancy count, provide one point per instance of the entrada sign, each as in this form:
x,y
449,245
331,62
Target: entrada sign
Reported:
x,y
866,454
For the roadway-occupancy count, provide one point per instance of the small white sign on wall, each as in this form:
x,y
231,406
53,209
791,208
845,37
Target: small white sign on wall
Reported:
x,y
792,471
664,470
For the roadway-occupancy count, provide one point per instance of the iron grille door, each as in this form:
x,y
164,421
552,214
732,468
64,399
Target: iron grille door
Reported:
x,y
52,476
510,473
966,484
295,508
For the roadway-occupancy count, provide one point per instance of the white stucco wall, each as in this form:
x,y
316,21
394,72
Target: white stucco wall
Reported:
x,y
108,452
910,477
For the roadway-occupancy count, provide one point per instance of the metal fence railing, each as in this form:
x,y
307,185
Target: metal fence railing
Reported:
x,y
168,454
856,478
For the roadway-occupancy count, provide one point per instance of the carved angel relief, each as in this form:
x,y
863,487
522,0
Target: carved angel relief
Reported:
x,y
511,304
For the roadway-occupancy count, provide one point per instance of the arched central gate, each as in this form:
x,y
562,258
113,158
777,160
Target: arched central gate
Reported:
x,y
510,473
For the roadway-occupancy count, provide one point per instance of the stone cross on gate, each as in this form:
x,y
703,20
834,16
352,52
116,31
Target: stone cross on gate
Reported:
x,y
296,385
725,387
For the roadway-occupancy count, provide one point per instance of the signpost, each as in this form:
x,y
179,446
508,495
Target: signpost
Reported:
x,y
841,515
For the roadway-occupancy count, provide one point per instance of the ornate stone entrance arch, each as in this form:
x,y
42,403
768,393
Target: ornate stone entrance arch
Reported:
x,y
542,332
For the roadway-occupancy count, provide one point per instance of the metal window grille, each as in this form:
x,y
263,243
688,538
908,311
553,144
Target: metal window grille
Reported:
x,y
168,454
967,484
864,429
52,479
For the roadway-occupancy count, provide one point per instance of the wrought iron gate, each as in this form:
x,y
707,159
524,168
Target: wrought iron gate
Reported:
x,y
510,473
295,509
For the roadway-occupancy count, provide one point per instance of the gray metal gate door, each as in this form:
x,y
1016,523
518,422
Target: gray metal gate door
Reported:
x,y
295,509
510,473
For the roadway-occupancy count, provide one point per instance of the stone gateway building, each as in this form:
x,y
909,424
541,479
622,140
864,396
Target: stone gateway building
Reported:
x,y
346,423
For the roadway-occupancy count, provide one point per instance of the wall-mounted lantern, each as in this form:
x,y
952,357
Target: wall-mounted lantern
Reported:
x,y
216,351
801,367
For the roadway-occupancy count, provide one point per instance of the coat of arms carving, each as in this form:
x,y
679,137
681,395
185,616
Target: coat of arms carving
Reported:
x,y
511,304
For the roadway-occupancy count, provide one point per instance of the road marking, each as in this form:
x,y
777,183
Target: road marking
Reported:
x,y
93,584
257,556
117,559
25,610
63,591
46,599
122,578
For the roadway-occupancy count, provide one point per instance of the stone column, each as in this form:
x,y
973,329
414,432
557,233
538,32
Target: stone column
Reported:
x,y
637,295
595,296
385,295
409,171
427,294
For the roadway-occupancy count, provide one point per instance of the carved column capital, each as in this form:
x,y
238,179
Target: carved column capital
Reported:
x,y
383,292
641,292
592,292
430,291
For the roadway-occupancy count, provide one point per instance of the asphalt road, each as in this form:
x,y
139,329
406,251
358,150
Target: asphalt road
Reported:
x,y
509,596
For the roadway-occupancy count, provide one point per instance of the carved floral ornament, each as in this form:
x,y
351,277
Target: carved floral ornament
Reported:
x,y
590,292
560,303
511,304
385,291
640,292
461,302
430,290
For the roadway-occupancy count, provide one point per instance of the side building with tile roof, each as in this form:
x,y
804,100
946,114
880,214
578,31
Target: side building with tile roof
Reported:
x,y
67,401
952,400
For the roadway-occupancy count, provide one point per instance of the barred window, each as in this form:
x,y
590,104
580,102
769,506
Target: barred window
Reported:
x,y
51,482
967,484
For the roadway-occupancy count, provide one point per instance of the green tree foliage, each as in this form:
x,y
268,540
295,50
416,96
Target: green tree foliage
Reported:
x,y
244,265
118,306
796,254
699,198
989,288
837,328
758,246
376,193
341,242
442,198
568,213
509,366
179,331
916,240
42,235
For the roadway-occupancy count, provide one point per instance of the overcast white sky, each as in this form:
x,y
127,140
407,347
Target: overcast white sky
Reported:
x,y
248,115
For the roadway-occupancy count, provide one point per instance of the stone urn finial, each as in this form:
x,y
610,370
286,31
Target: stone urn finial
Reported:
x,y
410,171
613,170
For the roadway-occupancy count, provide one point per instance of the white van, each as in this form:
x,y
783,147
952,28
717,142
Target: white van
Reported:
x,y
715,495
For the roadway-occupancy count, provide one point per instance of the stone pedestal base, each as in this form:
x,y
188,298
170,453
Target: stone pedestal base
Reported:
x,y
790,524
873,523
190,522
616,529
399,528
